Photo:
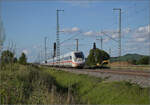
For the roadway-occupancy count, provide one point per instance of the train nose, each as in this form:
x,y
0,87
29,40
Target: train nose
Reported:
x,y
79,59
78,64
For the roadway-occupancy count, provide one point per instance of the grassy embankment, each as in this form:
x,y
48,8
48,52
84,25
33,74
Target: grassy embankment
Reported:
x,y
139,68
128,66
33,85
29,85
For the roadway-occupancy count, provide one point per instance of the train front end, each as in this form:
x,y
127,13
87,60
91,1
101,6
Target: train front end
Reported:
x,y
78,59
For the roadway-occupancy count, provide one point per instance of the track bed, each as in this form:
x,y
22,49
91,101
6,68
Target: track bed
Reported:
x,y
139,77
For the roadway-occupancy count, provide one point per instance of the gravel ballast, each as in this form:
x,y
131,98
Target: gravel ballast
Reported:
x,y
140,80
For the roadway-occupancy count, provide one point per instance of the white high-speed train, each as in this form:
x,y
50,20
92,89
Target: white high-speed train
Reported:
x,y
72,59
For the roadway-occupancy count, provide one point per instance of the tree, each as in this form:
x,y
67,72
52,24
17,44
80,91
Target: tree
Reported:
x,y
23,59
144,60
15,60
96,56
132,61
7,57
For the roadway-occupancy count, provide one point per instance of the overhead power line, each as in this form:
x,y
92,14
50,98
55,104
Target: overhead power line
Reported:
x,y
109,36
101,39
70,38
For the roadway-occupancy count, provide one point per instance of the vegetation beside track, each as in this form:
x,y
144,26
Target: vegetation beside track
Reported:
x,y
93,90
27,84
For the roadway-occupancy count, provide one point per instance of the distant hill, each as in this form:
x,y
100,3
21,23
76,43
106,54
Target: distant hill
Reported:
x,y
127,57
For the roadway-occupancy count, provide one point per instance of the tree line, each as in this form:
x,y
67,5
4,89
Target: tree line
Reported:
x,y
8,57
142,61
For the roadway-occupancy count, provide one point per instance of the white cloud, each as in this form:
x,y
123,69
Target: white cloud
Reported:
x,y
67,44
99,33
141,34
37,46
75,29
138,35
106,40
70,30
89,33
130,49
143,29
114,35
25,51
126,30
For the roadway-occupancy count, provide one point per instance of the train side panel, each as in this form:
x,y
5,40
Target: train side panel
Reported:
x,y
73,59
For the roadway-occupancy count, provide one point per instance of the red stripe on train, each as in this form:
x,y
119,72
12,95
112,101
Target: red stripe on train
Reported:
x,y
63,62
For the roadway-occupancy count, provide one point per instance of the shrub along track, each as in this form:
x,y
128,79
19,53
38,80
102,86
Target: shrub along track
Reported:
x,y
103,91
34,85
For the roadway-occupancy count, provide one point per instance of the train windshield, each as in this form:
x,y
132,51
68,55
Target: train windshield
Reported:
x,y
79,55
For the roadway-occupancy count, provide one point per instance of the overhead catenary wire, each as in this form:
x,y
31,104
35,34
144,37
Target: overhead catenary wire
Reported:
x,y
70,38
109,36
76,35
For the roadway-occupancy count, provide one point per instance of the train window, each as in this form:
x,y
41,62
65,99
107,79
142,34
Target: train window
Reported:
x,y
67,58
70,57
79,55
64,58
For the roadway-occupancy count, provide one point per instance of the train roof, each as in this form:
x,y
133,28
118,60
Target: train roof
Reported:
x,y
71,53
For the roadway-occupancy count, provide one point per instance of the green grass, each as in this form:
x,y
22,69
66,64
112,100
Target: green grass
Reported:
x,y
33,85
97,91
133,67
118,93
29,85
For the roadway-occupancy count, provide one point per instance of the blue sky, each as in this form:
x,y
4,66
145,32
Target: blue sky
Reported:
x,y
26,24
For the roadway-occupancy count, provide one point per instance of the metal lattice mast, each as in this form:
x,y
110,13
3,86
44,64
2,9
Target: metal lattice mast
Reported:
x,y
110,52
77,44
57,36
2,30
119,31
45,49
101,43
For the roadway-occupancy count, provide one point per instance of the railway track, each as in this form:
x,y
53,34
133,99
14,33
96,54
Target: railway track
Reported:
x,y
142,78
124,72
110,71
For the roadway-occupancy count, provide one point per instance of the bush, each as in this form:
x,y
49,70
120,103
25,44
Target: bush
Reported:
x,y
15,60
7,57
134,62
144,61
30,85
23,59
96,56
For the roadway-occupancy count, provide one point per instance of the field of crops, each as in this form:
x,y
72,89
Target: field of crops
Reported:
x,y
41,85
